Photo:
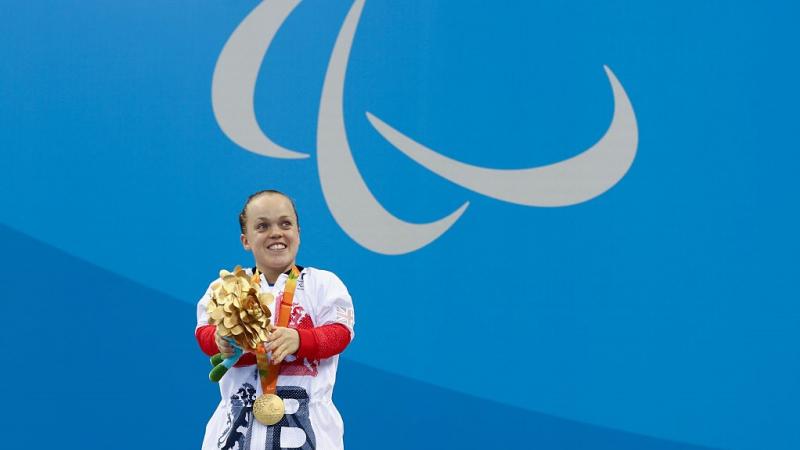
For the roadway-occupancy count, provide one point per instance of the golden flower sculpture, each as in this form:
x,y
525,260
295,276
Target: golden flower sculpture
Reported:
x,y
239,309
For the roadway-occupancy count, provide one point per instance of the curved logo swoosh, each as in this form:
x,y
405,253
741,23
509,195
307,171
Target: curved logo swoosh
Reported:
x,y
350,201
564,183
352,204
235,75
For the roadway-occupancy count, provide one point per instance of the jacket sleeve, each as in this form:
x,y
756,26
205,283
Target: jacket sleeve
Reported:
x,y
322,342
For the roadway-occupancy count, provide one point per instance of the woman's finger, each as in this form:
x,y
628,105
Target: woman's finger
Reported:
x,y
280,352
274,344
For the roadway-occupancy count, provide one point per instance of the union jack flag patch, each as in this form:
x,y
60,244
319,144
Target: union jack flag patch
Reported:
x,y
345,316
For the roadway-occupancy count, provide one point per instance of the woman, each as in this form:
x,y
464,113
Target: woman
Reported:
x,y
319,328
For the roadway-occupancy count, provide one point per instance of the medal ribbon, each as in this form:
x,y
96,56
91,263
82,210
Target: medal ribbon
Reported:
x,y
268,372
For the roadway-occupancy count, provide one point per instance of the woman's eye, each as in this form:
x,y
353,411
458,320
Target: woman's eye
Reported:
x,y
261,226
286,224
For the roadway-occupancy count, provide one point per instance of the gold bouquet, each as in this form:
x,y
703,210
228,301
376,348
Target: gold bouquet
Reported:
x,y
239,309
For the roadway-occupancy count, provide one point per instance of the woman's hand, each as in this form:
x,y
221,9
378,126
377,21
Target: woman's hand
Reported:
x,y
282,342
224,346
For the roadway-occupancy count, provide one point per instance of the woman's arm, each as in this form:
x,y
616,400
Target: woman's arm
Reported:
x,y
322,342
206,338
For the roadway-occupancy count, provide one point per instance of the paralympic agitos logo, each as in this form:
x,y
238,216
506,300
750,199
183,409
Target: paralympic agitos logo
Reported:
x,y
355,209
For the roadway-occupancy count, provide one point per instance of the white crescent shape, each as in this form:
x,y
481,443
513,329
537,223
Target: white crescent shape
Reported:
x,y
235,74
564,183
352,205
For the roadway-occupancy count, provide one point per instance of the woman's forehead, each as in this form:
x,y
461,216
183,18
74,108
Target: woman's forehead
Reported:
x,y
270,206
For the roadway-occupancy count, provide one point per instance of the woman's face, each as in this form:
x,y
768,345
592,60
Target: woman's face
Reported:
x,y
272,234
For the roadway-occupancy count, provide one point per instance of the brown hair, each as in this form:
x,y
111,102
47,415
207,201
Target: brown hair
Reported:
x,y
243,214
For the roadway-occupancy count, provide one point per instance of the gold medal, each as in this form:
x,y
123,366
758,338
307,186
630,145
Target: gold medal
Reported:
x,y
268,409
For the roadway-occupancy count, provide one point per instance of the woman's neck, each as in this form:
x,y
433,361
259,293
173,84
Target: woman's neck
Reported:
x,y
273,275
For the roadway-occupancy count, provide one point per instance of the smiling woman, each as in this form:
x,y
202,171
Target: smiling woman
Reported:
x,y
295,367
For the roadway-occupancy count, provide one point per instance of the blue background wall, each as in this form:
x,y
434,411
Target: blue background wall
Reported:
x,y
661,314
